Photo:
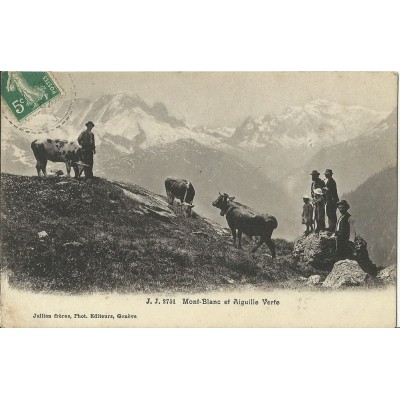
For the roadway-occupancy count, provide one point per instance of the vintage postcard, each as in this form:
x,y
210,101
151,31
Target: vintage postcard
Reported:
x,y
198,199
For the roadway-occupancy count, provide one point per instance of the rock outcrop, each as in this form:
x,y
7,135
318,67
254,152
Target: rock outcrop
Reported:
x,y
42,235
314,280
346,273
317,253
388,275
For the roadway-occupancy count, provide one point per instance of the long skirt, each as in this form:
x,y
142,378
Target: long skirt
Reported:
x,y
331,214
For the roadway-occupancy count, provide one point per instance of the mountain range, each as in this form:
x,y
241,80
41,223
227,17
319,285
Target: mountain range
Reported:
x,y
317,124
130,123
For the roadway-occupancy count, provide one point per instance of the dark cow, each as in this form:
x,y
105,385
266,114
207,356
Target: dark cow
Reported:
x,y
56,151
182,190
245,220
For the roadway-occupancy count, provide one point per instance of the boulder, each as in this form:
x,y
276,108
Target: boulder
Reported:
x,y
315,252
313,280
42,234
388,275
346,273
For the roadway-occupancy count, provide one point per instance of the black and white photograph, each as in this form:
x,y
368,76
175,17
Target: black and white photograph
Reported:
x,y
213,177
198,193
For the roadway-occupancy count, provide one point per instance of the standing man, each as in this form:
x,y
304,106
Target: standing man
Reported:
x,y
86,140
317,182
332,198
345,230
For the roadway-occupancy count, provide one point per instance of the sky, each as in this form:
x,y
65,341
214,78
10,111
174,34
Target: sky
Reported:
x,y
217,99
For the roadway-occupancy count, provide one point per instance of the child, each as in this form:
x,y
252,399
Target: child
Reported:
x,y
307,216
319,210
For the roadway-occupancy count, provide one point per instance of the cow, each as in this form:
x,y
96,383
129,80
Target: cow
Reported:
x,y
56,151
182,190
245,220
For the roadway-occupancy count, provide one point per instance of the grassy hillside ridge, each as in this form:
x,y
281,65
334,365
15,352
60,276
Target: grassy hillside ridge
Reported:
x,y
374,208
113,236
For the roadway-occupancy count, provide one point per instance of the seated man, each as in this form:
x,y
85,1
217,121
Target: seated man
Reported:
x,y
345,230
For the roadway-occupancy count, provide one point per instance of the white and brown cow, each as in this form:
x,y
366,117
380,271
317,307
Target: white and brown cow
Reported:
x,y
56,151
182,190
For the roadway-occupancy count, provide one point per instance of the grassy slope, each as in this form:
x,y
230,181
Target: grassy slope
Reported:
x,y
121,249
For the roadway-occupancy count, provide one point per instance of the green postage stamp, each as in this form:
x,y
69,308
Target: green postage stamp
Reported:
x,y
26,92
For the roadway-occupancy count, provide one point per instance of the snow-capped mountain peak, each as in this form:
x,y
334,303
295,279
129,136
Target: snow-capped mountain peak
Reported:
x,y
318,123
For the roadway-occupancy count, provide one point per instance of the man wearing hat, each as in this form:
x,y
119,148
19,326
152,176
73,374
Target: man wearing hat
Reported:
x,y
86,141
331,198
344,230
316,183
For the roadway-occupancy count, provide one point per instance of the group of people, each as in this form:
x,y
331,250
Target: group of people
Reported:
x,y
324,200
